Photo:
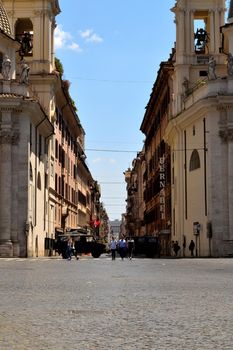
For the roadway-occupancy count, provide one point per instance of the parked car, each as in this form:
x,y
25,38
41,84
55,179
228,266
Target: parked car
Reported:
x,y
82,244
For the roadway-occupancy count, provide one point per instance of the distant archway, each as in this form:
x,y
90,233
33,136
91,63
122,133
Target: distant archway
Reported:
x,y
24,33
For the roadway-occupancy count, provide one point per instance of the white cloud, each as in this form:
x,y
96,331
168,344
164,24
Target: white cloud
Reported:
x,y
112,161
63,40
90,36
95,38
61,37
85,34
74,46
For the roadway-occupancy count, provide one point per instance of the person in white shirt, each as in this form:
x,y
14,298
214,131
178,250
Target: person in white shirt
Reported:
x,y
122,245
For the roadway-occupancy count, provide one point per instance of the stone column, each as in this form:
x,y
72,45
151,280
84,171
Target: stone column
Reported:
x,y
227,141
224,191
187,32
181,31
37,36
212,33
15,191
180,35
192,48
6,247
217,31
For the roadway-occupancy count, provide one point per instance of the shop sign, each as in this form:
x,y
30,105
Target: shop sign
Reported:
x,y
162,184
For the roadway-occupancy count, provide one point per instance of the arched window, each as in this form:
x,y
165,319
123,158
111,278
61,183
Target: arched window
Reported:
x,y
194,161
24,33
31,173
38,181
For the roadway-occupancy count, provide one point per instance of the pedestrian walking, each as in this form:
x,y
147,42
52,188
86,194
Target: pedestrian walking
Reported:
x,y
113,247
191,247
69,248
176,248
130,244
122,246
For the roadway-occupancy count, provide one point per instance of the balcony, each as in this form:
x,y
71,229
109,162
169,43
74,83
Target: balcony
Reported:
x,y
207,88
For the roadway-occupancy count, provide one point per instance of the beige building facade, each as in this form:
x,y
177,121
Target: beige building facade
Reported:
x,y
25,130
45,184
134,218
200,129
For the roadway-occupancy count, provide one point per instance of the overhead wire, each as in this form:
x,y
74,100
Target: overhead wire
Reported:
x,y
129,151
113,81
110,150
111,183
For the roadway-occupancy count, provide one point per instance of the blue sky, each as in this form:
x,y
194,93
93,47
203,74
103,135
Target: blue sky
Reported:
x,y
111,51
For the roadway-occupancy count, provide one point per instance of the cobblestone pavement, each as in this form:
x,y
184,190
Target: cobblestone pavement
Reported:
x,y
155,304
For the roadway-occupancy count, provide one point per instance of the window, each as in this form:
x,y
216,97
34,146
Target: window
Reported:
x,y
46,181
200,36
31,173
52,169
59,187
30,137
56,149
82,198
24,33
40,146
203,73
194,161
38,181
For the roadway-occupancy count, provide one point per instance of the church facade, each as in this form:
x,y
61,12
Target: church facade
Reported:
x,y
197,129
200,130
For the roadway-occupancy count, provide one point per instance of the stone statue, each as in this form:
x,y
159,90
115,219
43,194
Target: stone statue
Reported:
x,y
211,69
186,86
6,67
24,75
230,64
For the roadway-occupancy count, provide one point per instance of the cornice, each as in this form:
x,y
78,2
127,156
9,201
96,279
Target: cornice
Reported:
x,y
10,109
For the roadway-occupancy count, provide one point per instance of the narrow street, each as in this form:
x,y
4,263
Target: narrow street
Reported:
x,y
162,304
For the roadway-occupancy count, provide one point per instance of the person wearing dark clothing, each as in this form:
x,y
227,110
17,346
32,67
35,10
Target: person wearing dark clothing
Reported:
x,y
122,247
176,248
191,247
130,247
69,249
113,247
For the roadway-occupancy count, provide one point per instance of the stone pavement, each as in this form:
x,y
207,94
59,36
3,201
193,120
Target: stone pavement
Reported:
x,y
154,304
